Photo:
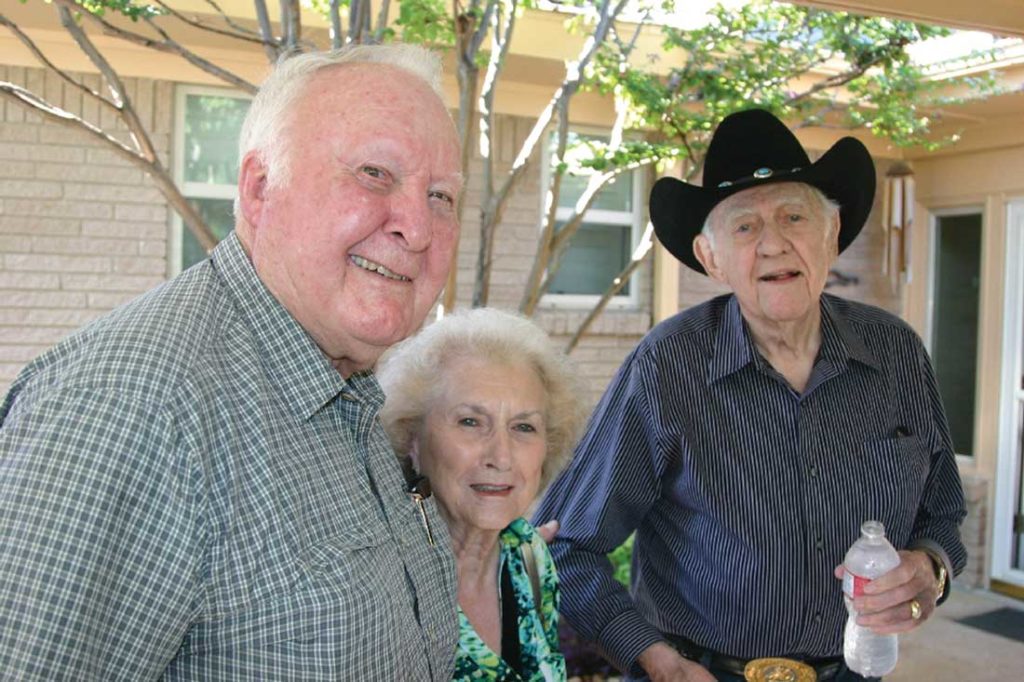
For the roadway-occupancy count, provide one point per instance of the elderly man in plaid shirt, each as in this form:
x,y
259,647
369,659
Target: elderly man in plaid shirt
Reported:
x,y
196,486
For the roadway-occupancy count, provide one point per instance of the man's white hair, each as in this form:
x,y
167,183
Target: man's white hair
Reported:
x,y
261,130
828,206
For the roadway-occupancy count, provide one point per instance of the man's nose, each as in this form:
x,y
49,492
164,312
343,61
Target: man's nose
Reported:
x,y
772,239
411,219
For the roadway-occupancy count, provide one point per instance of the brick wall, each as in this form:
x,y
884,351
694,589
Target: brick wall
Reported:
x,y
974,532
81,229
612,336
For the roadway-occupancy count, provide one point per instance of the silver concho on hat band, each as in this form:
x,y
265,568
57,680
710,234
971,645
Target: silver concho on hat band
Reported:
x,y
759,174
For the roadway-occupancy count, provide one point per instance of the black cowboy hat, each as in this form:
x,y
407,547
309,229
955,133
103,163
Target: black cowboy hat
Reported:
x,y
752,148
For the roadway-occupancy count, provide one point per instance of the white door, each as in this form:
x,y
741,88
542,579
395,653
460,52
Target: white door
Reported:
x,y
1008,518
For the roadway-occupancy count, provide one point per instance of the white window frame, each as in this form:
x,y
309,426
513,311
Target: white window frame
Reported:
x,y
634,219
191,190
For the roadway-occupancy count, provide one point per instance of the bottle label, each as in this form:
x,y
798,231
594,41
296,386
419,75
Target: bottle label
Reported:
x,y
853,585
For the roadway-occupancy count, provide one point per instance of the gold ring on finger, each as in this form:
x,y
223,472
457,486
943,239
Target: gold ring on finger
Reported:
x,y
915,609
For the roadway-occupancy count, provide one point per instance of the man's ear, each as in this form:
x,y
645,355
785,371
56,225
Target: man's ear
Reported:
x,y
706,255
252,188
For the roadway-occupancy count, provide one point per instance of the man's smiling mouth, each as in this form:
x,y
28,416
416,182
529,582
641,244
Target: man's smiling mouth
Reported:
x,y
780,276
366,264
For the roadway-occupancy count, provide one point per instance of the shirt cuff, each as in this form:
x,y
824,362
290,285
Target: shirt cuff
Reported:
x,y
625,638
931,547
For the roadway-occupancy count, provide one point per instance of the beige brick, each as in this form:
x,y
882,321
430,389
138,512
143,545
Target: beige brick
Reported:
x,y
140,266
84,245
57,208
43,299
57,134
146,213
15,244
55,263
10,224
114,175
103,156
93,282
9,370
46,317
17,169
111,193
42,152
109,301
20,132
32,335
30,188
153,248
90,106
129,230
28,280
20,353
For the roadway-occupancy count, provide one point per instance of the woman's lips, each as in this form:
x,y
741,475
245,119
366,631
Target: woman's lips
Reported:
x,y
491,490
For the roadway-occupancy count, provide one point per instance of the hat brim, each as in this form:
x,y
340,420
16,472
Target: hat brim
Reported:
x,y
845,174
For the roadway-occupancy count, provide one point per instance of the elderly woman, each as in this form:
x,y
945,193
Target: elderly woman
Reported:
x,y
482,406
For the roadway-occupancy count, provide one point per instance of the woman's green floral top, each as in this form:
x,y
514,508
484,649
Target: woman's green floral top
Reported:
x,y
538,632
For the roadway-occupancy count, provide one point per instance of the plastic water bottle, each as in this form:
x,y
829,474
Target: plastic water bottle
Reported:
x,y
867,653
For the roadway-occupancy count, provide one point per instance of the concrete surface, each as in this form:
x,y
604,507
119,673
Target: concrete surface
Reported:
x,y
943,650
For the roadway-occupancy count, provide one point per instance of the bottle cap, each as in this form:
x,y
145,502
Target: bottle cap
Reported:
x,y
778,670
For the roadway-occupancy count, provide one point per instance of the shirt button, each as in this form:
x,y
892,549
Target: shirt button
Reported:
x,y
817,618
814,471
819,544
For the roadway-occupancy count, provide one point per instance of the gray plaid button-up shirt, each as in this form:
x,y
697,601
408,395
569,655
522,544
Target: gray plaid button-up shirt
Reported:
x,y
189,490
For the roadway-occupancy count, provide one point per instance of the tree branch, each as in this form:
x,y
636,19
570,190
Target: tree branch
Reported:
x,y
38,54
238,34
114,83
153,169
168,46
639,256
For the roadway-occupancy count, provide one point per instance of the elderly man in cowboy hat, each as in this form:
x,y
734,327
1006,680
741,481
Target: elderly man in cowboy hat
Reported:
x,y
746,439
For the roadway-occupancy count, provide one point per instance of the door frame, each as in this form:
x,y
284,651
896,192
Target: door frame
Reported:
x,y
1009,457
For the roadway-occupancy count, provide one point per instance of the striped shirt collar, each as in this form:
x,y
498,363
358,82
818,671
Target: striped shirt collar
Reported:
x,y
734,349
303,375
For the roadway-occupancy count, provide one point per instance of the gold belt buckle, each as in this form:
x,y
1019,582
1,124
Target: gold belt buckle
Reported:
x,y
778,670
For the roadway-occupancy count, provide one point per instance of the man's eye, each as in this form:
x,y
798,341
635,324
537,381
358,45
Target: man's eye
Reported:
x,y
374,172
795,217
743,227
443,196
525,428
468,421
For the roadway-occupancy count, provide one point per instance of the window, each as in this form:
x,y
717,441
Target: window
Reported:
x,y
207,125
956,276
605,241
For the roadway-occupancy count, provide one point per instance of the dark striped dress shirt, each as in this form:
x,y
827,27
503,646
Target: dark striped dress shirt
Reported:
x,y
744,494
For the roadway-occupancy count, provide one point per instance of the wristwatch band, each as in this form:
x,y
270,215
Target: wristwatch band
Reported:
x,y
941,576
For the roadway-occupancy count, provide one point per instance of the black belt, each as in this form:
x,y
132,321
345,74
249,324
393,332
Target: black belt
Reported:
x,y
824,668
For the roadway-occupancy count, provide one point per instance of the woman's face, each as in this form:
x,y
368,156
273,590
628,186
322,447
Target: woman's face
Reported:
x,y
483,443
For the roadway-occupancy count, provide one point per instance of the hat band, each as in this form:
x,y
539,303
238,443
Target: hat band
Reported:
x,y
759,174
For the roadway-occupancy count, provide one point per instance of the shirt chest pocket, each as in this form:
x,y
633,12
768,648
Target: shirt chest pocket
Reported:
x,y
892,474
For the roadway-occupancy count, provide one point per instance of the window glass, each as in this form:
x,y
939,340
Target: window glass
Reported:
x,y
219,217
602,246
955,321
212,126
210,122
597,253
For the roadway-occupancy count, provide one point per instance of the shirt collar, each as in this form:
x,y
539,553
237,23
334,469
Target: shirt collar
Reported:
x,y
734,348
303,375
839,342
